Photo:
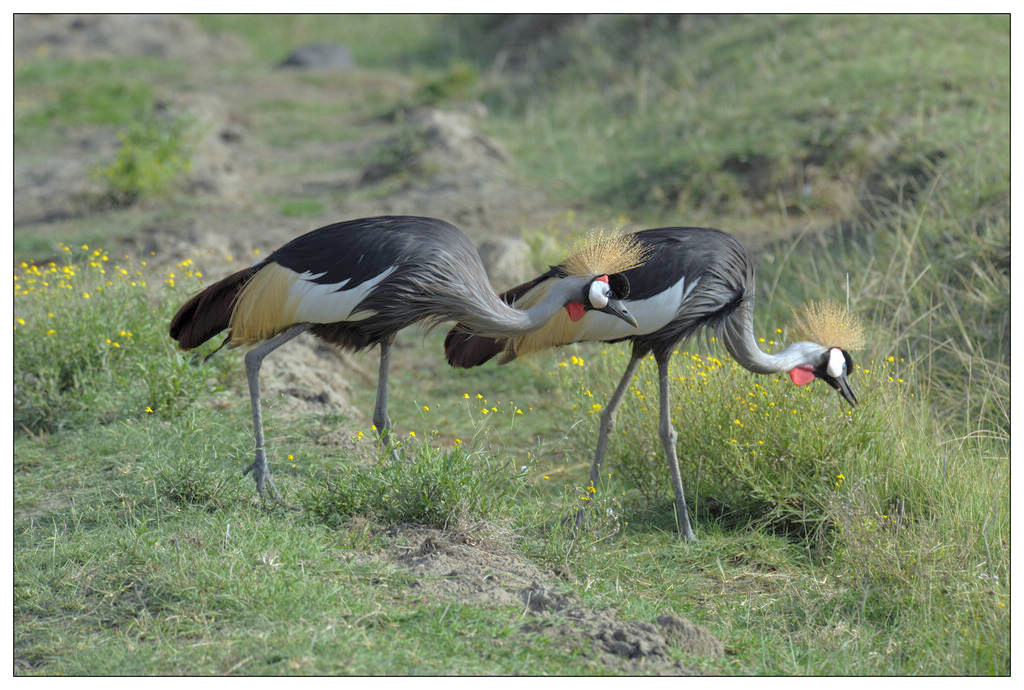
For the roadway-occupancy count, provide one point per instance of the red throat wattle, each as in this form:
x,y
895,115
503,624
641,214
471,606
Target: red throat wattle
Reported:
x,y
801,376
575,310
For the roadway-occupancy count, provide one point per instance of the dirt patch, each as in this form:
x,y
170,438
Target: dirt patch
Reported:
x,y
464,566
77,36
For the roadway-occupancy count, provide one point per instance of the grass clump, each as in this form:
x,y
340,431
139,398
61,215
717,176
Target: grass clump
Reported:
x,y
301,208
437,487
153,155
190,480
91,345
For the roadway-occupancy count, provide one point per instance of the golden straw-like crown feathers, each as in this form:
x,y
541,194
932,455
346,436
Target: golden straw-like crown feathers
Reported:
x,y
827,323
601,253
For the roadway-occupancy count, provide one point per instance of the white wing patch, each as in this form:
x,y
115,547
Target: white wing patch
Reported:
x,y
651,314
329,302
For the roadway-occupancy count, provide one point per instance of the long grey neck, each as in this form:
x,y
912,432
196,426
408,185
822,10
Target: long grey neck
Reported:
x,y
738,336
503,321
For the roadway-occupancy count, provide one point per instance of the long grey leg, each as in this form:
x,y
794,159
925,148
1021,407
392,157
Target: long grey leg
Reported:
x,y
668,440
253,359
380,407
608,424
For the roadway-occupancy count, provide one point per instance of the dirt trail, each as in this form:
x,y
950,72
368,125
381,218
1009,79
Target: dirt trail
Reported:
x,y
450,170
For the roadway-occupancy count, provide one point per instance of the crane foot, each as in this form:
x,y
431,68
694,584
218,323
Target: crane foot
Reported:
x,y
261,473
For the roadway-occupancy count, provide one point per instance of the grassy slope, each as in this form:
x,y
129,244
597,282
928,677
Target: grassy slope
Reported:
x,y
146,556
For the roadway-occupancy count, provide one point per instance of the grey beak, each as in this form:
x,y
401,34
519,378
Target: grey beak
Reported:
x,y
843,386
616,308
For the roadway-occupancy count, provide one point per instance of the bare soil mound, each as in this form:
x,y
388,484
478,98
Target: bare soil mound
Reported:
x,y
463,566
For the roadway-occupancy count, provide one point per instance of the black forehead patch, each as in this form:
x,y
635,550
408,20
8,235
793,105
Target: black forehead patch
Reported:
x,y
619,284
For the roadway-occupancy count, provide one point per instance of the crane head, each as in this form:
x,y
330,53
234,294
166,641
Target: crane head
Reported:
x,y
605,294
832,366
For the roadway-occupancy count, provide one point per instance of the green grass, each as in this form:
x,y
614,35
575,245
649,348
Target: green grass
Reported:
x,y
137,539
375,40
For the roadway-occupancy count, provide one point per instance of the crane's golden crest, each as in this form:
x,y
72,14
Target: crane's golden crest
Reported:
x,y
827,323
601,253
598,253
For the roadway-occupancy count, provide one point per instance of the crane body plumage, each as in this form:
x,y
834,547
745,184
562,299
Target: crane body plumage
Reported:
x,y
696,279
355,284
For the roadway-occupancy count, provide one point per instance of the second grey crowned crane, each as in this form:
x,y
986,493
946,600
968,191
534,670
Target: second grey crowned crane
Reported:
x,y
694,279
358,282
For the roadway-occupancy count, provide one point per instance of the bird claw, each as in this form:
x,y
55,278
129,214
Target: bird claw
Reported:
x,y
261,473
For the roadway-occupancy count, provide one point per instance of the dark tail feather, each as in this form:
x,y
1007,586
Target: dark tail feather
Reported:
x,y
209,312
465,350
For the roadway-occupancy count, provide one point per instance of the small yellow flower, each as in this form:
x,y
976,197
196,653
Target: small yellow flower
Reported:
x,y
466,396
484,410
21,321
413,434
596,407
359,435
458,441
149,410
255,251
373,427
591,489
479,397
85,295
563,364
426,408
291,457
50,332
85,247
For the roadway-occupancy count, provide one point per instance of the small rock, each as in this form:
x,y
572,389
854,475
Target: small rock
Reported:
x,y
320,56
507,261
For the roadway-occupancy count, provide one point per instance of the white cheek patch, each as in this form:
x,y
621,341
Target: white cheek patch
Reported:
x,y
836,363
599,294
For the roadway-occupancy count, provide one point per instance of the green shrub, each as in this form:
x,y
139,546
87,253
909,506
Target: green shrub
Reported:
x,y
751,449
435,487
152,156
91,343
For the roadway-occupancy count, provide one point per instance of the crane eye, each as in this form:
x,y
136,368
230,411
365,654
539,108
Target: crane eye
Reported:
x,y
836,363
599,294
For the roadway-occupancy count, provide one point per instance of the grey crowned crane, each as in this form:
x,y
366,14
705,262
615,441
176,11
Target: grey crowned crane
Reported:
x,y
356,283
695,279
